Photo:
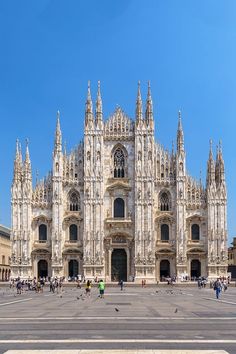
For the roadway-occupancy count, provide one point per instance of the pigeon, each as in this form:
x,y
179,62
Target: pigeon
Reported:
x,y
176,310
61,296
78,297
117,310
157,291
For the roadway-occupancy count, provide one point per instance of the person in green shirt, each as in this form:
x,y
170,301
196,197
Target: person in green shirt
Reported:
x,y
101,287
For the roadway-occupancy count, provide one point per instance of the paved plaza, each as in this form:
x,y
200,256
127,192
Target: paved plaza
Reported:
x,y
161,318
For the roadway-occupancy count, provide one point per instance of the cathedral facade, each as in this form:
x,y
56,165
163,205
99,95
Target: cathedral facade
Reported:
x,y
119,206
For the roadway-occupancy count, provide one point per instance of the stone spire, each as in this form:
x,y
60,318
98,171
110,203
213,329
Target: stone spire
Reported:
x,y
17,163
220,166
89,107
58,137
98,106
180,136
139,107
149,107
27,163
210,167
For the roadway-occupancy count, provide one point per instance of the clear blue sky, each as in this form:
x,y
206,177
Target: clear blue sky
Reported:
x,y
51,48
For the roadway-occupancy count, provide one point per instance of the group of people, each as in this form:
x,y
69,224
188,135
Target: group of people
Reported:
x,y
55,285
23,285
101,288
201,283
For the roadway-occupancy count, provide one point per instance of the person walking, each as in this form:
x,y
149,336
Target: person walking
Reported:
x,y
217,288
121,284
88,288
101,287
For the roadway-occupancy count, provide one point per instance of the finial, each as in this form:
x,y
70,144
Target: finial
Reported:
x,y
149,90
210,152
37,176
27,142
220,145
89,93
139,92
17,146
99,93
180,120
58,120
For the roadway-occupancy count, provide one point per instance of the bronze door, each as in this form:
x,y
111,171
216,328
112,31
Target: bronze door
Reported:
x,y
119,265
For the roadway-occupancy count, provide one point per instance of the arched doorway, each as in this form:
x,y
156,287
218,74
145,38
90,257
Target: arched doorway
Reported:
x,y
42,268
164,268
73,270
119,265
195,268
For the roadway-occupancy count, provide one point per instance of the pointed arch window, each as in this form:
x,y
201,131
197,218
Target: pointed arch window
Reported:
x,y
73,232
164,232
195,232
119,163
43,233
164,202
74,201
119,208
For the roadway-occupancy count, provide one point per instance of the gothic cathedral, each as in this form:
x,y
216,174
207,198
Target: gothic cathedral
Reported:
x,y
119,206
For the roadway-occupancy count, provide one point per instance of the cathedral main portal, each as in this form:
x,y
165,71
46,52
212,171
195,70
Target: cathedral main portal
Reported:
x,y
119,265
42,268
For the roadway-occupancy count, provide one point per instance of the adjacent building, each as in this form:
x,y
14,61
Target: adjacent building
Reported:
x,y
120,206
5,253
232,253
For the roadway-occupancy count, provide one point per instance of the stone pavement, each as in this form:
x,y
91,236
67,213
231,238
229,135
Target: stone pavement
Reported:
x,y
116,352
154,318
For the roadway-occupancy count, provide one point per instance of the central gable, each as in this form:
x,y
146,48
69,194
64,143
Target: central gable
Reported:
x,y
119,126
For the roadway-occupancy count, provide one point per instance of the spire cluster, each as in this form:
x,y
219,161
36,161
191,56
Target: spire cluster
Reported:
x,y
149,121
89,117
215,168
22,169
